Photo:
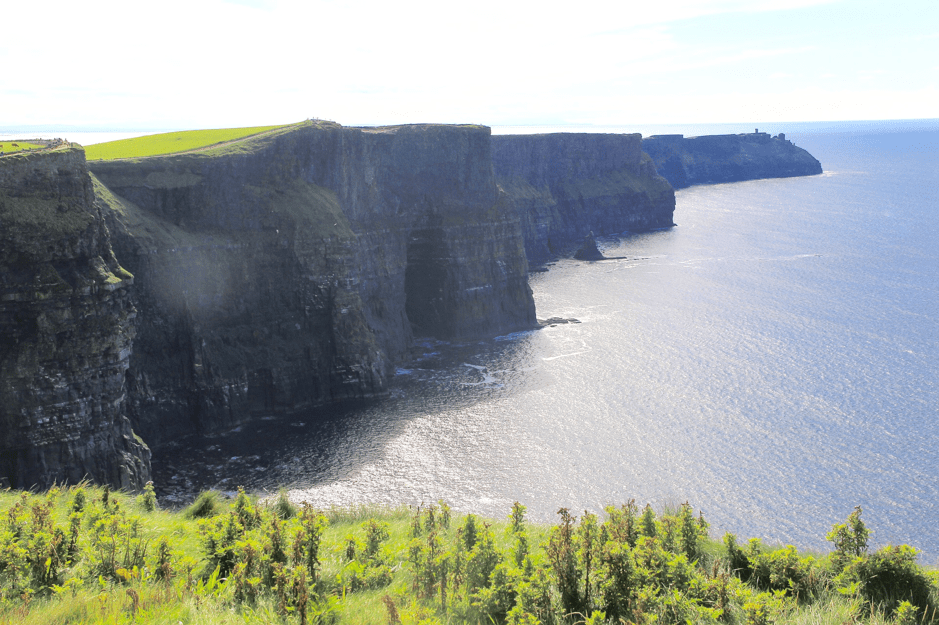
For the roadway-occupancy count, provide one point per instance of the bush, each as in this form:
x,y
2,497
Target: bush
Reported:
x,y
147,499
206,504
849,538
784,570
283,507
889,577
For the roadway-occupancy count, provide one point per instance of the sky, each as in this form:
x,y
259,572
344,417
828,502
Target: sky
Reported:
x,y
181,64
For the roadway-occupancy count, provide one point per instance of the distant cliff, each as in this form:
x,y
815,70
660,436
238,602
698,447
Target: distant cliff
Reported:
x,y
565,185
66,328
685,161
294,269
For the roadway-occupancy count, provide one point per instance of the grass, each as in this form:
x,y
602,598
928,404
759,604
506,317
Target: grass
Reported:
x,y
8,147
85,554
170,142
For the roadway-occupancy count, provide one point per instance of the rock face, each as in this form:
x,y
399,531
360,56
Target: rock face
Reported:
x,y
292,270
66,326
565,185
273,274
728,158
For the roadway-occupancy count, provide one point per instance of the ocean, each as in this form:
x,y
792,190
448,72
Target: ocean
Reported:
x,y
772,360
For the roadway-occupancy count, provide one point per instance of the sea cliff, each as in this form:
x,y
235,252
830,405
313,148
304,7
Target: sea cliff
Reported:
x,y
566,185
66,330
294,270
685,161
272,274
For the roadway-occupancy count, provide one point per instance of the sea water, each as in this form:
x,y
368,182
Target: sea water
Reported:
x,y
772,360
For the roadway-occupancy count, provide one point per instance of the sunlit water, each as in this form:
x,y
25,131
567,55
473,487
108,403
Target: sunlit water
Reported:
x,y
772,360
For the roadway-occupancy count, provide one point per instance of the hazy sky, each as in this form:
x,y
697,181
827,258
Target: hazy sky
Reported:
x,y
178,64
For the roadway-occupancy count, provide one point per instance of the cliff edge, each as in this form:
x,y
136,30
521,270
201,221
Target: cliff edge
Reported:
x,y
685,161
66,327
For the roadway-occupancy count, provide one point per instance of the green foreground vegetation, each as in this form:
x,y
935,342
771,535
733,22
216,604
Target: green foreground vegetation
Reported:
x,y
84,554
169,143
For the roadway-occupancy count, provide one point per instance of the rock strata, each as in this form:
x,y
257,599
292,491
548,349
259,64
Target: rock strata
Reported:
x,y
565,185
295,270
66,328
273,274
685,161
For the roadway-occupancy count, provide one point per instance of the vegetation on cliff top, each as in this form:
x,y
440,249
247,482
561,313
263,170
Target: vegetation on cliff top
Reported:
x,y
170,142
18,146
88,555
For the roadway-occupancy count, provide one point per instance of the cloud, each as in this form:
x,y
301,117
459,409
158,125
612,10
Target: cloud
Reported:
x,y
186,63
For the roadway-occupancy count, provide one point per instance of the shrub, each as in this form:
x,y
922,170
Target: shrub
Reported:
x,y
147,499
784,570
736,558
283,508
207,504
891,576
849,538
563,558
623,523
648,522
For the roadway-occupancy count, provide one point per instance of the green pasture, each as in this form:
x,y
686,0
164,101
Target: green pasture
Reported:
x,y
170,142
18,146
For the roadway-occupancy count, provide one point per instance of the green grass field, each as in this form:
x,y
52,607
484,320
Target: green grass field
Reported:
x,y
18,146
169,143
88,555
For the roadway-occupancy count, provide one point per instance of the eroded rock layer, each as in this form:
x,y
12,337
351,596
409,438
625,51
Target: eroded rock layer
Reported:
x,y
566,185
66,327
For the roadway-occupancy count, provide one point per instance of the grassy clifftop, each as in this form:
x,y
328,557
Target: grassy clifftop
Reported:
x,y
87,555
173,142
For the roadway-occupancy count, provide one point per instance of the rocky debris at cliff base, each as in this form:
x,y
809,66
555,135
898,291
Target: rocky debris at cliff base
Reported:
x,y
555,321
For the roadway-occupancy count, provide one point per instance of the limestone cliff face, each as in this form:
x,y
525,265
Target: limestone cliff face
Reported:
x,y
293,269
728,158
66,326
273,274
566,185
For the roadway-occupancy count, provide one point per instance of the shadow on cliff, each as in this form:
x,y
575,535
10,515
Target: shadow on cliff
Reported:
x,y
334,443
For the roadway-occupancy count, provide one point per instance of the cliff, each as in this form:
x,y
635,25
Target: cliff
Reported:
x,y
565,185
728,158
293,269
272,274
66,326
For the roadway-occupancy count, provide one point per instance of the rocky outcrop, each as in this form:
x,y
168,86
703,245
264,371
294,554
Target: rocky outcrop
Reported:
x,y
589,250
728,158
293,269
565,185
66,326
